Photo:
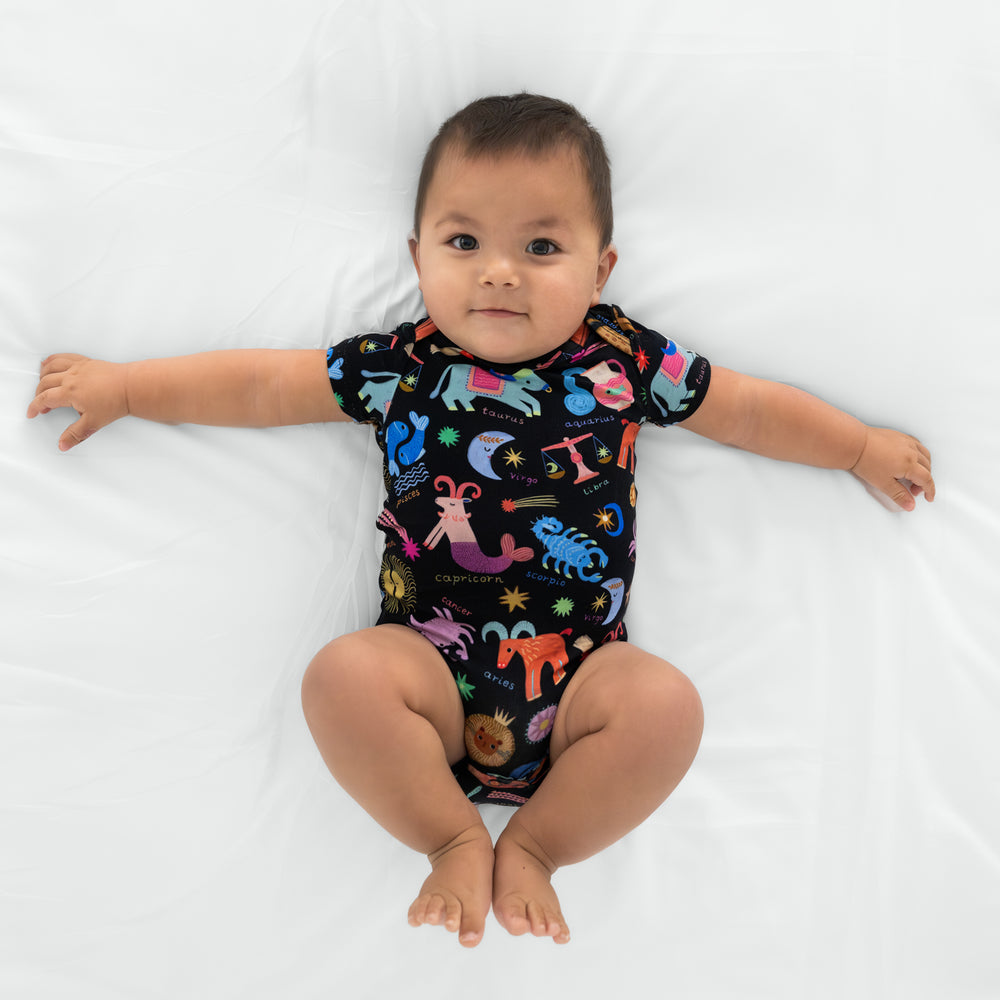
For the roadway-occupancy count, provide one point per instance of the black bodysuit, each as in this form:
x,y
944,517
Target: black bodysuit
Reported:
x,y
510,514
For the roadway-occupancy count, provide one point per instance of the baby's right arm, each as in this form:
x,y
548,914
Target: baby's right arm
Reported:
x,y
243,388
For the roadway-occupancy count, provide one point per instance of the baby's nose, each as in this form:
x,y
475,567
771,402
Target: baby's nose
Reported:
x,y
499,271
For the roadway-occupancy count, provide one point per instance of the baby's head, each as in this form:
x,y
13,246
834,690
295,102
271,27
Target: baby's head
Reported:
x,y
529,125
512,235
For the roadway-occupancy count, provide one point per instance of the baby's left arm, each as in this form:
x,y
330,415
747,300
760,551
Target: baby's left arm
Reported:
x,y
781,422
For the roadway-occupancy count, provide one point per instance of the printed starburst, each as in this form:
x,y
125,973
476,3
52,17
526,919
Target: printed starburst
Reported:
x,y
411,549
599,603
563,606
641,360
514,458
465,689
448,436
514,599
605,519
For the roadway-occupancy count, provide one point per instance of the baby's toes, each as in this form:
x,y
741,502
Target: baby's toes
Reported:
x,y
544,922
537,918
417,913
512,913
452,914
433,908
470,929
558,930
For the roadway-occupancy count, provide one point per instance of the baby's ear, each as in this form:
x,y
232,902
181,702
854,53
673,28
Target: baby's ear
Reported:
x,y
605,265
414,244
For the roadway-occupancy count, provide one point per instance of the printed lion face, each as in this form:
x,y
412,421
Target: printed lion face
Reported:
x,y
489,740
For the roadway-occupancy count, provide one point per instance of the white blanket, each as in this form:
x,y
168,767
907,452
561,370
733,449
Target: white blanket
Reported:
x,y
805,190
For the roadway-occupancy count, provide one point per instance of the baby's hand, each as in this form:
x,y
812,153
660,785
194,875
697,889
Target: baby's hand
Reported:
x,y
95,389
897,465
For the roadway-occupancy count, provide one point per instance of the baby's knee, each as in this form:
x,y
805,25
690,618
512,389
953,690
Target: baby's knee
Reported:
x,y
334,673
382,664
689,712
667,700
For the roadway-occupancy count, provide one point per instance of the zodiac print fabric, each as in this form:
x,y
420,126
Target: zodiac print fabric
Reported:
x,y
509,517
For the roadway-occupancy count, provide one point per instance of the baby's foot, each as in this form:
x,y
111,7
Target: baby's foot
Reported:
x,y
458,890
523,898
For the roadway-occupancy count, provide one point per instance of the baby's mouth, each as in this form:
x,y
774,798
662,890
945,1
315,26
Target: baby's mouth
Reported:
x,y
497,313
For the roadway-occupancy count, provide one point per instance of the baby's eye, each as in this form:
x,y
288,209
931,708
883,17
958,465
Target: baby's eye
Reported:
x,y
463,242
542,248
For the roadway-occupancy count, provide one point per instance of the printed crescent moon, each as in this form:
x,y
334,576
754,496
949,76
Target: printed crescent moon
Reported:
x,y
481,450
616,588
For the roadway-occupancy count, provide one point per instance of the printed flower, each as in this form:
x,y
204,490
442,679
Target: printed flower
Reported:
x,y
540,726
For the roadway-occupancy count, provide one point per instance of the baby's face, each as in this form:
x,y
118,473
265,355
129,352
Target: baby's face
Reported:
x,y
509,256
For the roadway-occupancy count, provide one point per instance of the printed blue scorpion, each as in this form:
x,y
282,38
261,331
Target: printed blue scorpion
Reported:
x,y
571,549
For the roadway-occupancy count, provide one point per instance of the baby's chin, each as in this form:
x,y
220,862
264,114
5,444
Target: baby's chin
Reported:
x,y
507,350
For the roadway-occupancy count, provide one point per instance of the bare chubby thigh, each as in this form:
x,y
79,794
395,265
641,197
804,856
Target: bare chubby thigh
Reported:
x,y
617,682
393,664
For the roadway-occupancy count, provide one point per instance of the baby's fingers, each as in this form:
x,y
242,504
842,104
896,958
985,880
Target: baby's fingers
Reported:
x,y
52,375
95,389
918,478
55,363
49,395
921,481
46,400
77,433
899,492
904,491
53,399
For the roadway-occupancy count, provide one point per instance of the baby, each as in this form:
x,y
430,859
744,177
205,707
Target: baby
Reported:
x,y
499,669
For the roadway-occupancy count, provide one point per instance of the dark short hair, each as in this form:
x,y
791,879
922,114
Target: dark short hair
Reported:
x,y
523,123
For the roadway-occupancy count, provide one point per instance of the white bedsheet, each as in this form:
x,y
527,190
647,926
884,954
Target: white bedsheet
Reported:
x,y
805,190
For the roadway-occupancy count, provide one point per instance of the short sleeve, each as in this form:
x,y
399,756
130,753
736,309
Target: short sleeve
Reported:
x,y
366,371
674,379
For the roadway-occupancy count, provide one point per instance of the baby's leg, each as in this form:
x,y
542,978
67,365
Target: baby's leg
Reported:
x,y
387,717
627,730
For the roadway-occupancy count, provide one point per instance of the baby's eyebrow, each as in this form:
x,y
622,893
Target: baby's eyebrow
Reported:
x,y
548,222
454,219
